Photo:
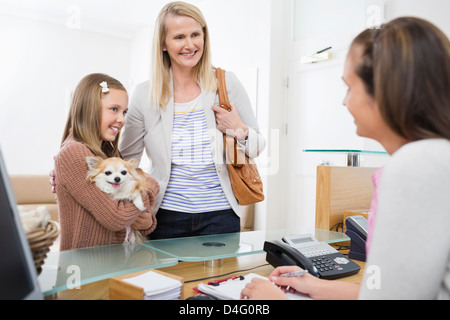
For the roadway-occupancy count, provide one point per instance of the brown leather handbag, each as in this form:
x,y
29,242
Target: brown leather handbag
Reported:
x,y
245,179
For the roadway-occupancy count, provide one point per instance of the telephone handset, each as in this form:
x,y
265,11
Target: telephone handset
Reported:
x,y
281,254
319,258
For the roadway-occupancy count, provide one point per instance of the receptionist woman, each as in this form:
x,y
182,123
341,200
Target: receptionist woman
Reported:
x,y
398,80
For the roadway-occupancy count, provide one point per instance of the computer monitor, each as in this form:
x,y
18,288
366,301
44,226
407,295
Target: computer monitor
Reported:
x,y
18,275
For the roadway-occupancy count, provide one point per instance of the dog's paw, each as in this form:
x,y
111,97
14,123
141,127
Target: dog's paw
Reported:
x,y
139,204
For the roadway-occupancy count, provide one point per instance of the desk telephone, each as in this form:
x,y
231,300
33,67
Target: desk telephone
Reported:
x,y
357,231
319,258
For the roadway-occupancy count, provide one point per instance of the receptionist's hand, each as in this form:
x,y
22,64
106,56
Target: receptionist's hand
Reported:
x,y
307,284
260,289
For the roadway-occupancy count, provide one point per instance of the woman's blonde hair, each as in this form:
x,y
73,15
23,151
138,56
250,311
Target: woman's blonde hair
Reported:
x,y
85,114
161,90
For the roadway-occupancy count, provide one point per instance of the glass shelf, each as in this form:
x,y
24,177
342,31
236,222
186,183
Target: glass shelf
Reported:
x,y
72,268
346,151
353,156
216,247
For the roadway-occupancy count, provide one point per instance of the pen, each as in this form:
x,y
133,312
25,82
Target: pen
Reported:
x,y
323,50
300,273
216,283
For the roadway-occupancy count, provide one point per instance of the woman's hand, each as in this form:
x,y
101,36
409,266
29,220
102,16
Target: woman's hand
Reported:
x,y
276,288
230,122
304,284
260,289
145,221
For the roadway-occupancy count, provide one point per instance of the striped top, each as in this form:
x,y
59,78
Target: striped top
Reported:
x,y
194,186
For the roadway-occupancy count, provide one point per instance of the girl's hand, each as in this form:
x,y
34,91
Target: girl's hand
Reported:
x,y
230,122
144,221
52,182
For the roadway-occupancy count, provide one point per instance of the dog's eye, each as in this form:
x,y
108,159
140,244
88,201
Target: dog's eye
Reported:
x,y
124,173
108,173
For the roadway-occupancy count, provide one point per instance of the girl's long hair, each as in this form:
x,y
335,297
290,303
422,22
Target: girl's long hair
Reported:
x,y
85,115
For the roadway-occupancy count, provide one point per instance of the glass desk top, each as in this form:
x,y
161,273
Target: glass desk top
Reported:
x,y
214,247
73,268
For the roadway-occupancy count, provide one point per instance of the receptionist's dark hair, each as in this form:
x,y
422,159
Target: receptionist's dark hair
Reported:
x,y
406,67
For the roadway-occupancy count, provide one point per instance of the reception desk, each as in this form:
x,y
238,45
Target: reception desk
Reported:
x,y
70,271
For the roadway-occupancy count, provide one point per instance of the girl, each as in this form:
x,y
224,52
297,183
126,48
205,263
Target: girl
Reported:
x,y
175,118
88,216
398,82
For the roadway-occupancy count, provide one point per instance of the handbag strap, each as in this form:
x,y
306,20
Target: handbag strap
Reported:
x,y
225,104
222,89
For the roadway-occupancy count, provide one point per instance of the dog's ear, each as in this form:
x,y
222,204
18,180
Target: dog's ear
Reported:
x,y
92,162
134,163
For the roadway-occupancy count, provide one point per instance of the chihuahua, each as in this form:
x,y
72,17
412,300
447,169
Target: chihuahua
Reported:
x,y
121,179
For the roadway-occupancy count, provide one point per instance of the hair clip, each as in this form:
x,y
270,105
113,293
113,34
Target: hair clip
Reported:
x,y
104,86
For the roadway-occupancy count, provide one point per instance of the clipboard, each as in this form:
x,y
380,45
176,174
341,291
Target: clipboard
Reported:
x,y
231,289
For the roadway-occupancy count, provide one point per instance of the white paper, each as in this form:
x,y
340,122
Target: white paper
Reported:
x,y
231,289
157,286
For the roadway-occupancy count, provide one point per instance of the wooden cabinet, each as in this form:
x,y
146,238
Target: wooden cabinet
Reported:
x,y
341,189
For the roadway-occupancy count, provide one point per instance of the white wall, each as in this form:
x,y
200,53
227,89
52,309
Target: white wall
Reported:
x,y
436,11
315,117
41,63
273,160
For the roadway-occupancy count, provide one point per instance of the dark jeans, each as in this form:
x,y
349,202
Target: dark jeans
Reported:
x,y
173,224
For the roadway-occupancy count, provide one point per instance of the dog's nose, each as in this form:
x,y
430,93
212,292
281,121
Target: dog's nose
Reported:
x,y
117,179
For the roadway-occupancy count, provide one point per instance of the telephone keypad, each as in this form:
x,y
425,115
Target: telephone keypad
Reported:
x,y
330,263
323,264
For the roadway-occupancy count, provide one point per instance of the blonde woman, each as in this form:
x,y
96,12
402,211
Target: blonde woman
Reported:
x,y
175,118
88,216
